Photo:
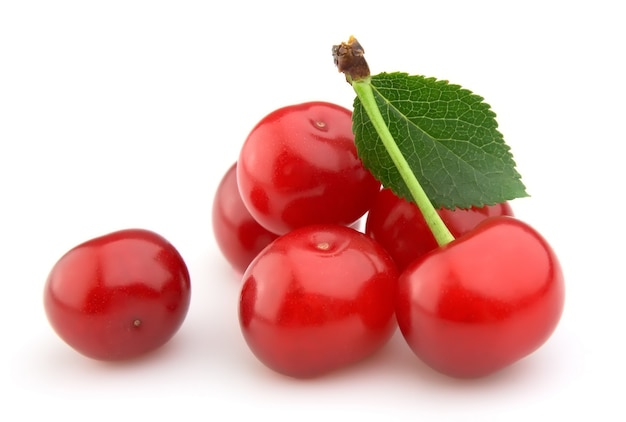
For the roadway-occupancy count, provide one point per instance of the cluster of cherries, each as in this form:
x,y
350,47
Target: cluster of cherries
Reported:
x,y
319,292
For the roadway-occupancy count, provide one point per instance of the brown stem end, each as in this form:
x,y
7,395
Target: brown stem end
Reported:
x,y
349,59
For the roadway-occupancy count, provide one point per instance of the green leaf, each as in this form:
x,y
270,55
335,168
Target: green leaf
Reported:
x,y
449,137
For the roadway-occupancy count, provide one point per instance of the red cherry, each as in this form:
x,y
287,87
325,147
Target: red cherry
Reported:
x,y
483,301
118,296
238,235
399,226
317,299
299,166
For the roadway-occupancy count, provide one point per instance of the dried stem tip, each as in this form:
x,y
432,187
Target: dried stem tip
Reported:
x,y
349,59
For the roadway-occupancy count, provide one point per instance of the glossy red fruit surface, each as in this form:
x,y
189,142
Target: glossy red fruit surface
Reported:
x,y
317,299
118,296
399,226
238,235
299,166
482,302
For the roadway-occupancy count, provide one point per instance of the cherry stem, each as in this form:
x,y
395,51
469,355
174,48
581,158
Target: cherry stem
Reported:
x,y
350,61
363,89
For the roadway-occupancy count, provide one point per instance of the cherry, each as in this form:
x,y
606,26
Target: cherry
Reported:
x,y
317,299
238,235
399,225
118,296
299,166
483,301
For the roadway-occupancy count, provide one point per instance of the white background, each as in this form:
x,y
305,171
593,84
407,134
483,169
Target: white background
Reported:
x,y
119,114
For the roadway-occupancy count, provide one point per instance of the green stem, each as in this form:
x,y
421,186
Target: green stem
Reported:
x,y
363,89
